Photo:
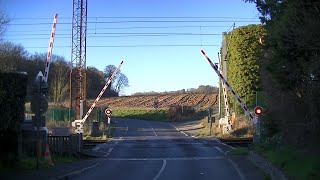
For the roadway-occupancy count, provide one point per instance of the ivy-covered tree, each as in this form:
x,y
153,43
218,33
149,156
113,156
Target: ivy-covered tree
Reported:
x,y
291,68
243,70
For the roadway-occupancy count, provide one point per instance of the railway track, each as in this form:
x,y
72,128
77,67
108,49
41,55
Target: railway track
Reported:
x,y
87,144
237,141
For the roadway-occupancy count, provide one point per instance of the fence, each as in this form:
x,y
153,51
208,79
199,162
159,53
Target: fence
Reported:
x,y
65,145
59,145
66,114
60,114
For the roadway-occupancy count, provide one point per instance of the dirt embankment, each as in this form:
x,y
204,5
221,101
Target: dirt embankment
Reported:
x,y
198,101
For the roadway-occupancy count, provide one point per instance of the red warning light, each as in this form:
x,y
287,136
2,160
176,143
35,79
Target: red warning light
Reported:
x,y
258,110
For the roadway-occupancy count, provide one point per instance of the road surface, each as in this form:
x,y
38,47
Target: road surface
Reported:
x,y
155,150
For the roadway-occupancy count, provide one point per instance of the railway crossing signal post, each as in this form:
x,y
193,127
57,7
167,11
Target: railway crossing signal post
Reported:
x,y
211,119
257,111
108,114
39,105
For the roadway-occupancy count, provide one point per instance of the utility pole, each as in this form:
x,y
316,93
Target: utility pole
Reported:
x,y
219,100
224,54
78,58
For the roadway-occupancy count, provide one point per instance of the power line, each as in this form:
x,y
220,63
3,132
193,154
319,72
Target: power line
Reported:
x,y
134,27
232,27
90,37
144,21
132,46
145,17
171,17
142,33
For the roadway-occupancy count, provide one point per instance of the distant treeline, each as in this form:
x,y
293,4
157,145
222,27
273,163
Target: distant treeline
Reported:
x,y
202,89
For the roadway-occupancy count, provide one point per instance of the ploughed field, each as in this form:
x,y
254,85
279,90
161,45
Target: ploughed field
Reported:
x,y
198,101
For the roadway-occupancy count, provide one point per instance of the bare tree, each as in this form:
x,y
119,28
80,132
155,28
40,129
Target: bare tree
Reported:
x,y
11,57
95,82
121,82
4,20
59,80
108,70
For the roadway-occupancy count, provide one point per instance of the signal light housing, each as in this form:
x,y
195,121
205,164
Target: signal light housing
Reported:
x,y
258,110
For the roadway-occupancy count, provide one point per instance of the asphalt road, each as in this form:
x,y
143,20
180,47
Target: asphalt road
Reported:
x,y
154,150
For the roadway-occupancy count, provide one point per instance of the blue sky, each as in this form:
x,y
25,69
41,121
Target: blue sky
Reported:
x,y
148,68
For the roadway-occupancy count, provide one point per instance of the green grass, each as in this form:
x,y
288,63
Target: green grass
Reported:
x,y
144,114
294,163
153,114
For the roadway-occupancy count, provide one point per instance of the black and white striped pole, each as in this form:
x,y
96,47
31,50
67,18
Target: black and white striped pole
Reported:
x,y
236,97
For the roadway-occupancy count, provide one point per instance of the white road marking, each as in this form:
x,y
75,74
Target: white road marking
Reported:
x,y
179,130
154,132
109,151
152,129
184,133
219,150
227,145
67,176
168,159
125,133
161,170
235,166
96,148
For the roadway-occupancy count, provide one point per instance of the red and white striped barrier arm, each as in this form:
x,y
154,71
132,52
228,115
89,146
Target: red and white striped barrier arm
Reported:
x,y
101,93
224,90
46,71
241,103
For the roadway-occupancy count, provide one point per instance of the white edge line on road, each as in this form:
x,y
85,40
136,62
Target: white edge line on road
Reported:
x,y
226,145
179,130
161,170
236,167
184,133
96,148
67,176
110,149
99,145
219,150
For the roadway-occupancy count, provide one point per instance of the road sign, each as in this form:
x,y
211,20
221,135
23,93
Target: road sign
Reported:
x,y
39,101
108,112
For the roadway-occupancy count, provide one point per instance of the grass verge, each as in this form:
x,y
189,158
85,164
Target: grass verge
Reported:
x,y
29,163
294,163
